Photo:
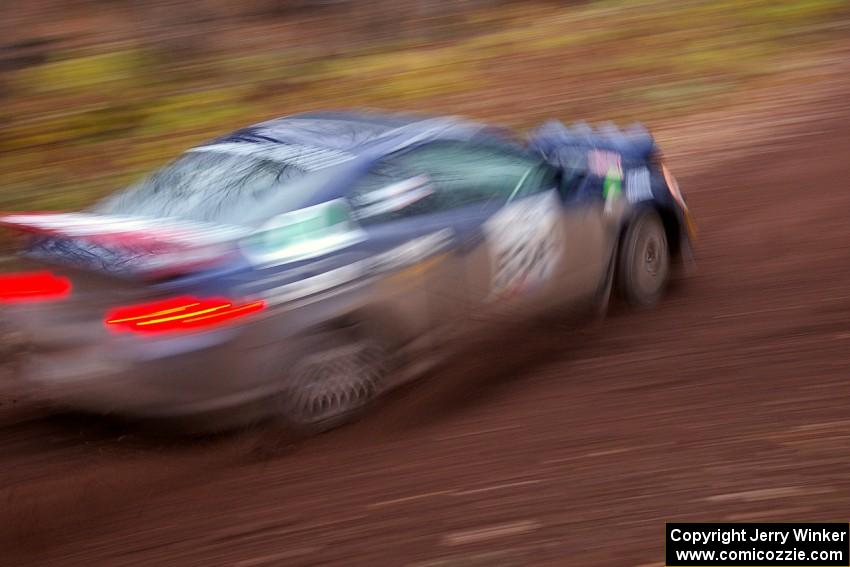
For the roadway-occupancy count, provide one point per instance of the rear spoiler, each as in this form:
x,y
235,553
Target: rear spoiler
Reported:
x,y
125,245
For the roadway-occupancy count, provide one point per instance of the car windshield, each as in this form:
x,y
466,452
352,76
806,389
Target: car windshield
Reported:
x,y
226,183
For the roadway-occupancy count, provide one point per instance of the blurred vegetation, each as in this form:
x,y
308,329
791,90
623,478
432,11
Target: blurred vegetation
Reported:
x,y
90,102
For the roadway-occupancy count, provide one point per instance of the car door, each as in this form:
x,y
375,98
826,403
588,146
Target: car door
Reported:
x,y
454,187
524,246
517,245
471,182
417,250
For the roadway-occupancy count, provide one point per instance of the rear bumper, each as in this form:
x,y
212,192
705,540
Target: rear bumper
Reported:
x,y
74,360
179,377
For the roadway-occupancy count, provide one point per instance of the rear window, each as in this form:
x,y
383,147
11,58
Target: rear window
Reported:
x,y
227,183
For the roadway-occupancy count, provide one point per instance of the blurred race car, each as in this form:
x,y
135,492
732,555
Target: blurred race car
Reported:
x,y
301,267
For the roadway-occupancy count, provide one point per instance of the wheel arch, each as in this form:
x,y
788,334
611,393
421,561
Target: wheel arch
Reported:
x,y
669,219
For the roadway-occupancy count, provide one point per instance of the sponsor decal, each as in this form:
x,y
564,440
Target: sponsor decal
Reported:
x,y
607,164
638,185
611,190
603,162
525,245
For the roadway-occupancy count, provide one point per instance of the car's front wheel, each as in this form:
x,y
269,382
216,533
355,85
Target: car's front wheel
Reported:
x,y
643,264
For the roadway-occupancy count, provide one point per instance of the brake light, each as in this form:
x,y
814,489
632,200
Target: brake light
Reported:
x,y
178,314
33,286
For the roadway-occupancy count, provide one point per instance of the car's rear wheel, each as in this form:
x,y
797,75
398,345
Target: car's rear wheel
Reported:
x,y
643,265
338,376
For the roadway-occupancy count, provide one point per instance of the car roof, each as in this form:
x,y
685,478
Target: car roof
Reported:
x,y
352,140
361,132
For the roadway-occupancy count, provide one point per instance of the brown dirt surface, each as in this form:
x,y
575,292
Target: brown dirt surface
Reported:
x,y
551,446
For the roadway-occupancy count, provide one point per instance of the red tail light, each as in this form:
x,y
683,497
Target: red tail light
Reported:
x,y
181,313
33,286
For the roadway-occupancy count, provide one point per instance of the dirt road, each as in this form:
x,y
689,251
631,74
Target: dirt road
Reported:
x,y
562,447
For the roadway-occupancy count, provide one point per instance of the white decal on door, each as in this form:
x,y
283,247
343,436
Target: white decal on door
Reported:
x,y
525,245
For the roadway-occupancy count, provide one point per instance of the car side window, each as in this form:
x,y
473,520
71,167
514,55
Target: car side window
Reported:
x,y
466,173
447,175
388,192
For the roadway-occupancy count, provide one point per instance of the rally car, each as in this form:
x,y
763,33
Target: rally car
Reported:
x,y
301,267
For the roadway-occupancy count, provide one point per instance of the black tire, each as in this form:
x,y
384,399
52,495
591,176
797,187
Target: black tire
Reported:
x,y
643,263
338,376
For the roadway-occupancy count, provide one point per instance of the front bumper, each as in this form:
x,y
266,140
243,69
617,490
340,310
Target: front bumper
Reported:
x,y
687,239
